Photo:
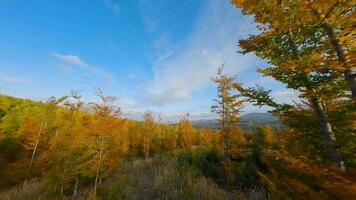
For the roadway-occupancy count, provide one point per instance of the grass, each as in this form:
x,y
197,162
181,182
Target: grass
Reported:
x,y
155,178
166,178
29,190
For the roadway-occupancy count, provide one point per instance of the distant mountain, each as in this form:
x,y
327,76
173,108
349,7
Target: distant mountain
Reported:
x,y
211,123
259,118
248,121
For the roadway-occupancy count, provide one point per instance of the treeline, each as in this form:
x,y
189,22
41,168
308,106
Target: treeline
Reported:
x,y
73,149
62,141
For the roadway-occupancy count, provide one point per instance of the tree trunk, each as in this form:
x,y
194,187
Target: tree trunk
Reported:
x,y
174,142
75,191
350,77
319,110
62,189
99,164
350,71
223,130
147,150
328,134
37,141
55,188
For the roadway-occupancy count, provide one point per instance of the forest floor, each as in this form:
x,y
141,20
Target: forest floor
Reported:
x,y
153,178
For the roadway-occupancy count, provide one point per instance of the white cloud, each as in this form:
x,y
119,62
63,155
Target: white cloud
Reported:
x,y
70,59
212,43
75,60
11,79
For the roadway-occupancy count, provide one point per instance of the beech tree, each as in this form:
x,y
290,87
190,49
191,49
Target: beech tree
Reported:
x,y
332,20
297,58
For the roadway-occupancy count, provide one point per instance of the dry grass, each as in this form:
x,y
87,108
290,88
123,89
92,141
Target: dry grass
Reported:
x,y
29,190
161,179
165,179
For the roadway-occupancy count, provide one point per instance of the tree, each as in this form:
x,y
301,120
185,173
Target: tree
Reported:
x,y
269,137
227,107
332,21
185,132
109,141
297,60
171,137
48,113
148,132
62,158
336,19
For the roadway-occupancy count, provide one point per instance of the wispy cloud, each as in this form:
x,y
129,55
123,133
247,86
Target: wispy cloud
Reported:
x,y
11,79
66,69
75,60
70,59
112,5
288,96
170,117
211,43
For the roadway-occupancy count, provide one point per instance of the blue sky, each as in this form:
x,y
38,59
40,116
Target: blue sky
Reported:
x,y
154,55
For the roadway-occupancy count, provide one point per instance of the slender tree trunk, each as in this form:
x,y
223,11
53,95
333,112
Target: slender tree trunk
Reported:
x,y
174,142
37,141
99,164
328,134
223,130
75,191
147,149
62,189
55,188
350,71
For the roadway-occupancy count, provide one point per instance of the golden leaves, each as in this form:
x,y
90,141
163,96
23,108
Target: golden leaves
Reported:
x,y
331,179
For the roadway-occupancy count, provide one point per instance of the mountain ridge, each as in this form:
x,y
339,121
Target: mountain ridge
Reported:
x,y
248,121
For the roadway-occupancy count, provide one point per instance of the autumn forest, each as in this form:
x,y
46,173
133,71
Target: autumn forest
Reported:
x,y
68,147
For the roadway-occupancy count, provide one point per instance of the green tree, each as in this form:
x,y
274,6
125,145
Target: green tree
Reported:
x,y
297,61
332,21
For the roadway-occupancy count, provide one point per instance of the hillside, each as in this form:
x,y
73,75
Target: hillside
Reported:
x,y
81,155
248,121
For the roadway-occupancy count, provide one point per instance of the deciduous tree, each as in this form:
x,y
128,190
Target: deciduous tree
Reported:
x,y
227,107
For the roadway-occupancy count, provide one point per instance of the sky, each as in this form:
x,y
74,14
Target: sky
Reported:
x,y
153,55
